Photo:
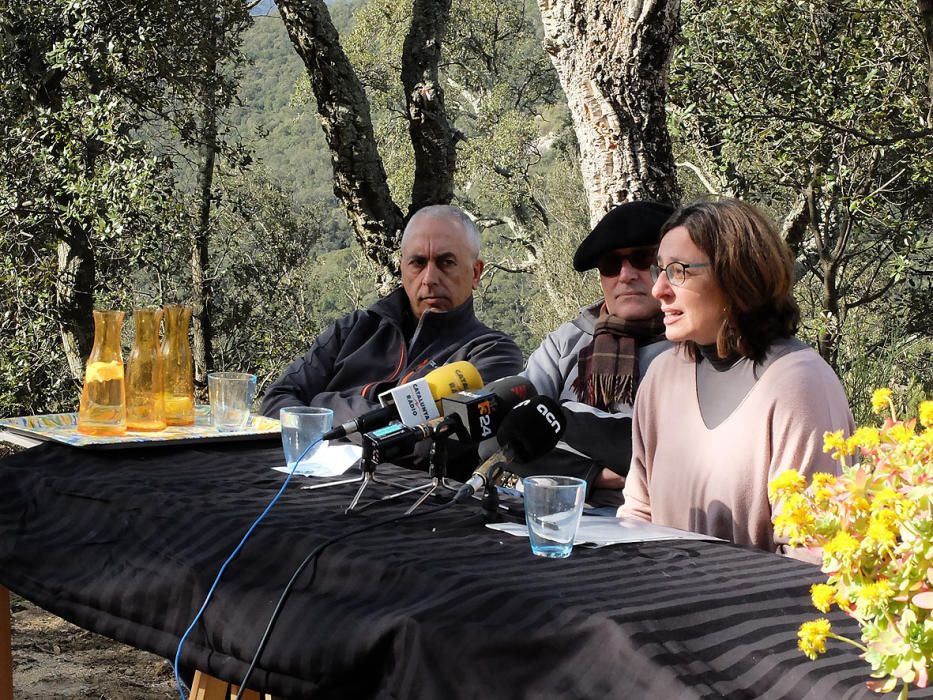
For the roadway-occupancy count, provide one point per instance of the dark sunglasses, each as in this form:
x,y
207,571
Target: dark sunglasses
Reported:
x,y
610,264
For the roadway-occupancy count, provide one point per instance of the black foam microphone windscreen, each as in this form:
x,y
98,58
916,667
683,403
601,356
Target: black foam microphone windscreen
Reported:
x,y
531,429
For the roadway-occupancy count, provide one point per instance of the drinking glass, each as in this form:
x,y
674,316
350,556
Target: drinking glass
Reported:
x,y
231,396
553,505
301,427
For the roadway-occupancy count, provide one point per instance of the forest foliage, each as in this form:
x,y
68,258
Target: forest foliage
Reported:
x,y
818,111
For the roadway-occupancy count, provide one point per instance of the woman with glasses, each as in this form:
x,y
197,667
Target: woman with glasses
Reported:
x,y
739,399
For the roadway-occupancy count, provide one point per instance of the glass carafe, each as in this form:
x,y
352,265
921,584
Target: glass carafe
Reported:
x,y
145,403
103,403
179,367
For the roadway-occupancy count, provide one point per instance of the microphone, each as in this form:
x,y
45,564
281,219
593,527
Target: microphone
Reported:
x,y
528,431
414,402
398,440
482,411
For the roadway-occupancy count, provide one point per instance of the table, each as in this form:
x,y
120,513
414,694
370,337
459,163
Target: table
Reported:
x,y
126,543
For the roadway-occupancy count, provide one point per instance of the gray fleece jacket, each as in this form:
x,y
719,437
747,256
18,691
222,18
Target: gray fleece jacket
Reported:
x,y
368,351
593,439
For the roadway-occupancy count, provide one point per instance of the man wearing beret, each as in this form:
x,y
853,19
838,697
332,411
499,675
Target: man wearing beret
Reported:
x,y
592,364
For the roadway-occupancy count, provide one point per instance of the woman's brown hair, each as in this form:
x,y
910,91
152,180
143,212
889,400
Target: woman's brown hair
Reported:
x,y
754,268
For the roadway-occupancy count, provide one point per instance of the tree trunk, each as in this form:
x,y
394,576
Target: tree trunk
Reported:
x,y
200,255
77,265
819,216
200,285
612,58
74,291
430,131
828,339
795,223
926,17
360,181
77,277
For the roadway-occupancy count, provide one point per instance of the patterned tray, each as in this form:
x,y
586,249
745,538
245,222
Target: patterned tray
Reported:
x,y
63,427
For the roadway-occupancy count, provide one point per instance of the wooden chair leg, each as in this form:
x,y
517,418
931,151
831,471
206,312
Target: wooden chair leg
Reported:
x,y
247,694
6,647
206,687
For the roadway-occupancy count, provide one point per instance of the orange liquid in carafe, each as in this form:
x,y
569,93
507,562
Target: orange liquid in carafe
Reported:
x,y
179,410
146,420
103,411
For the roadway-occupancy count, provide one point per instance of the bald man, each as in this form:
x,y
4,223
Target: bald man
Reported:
x,y
425,323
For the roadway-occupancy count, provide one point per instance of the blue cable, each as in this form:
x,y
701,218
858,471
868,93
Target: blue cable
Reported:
x,y
220,573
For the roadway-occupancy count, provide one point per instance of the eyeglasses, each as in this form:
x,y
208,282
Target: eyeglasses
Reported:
x,y
676,272
610,264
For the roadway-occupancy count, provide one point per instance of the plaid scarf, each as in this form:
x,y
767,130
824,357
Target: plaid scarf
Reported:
x,y
608,367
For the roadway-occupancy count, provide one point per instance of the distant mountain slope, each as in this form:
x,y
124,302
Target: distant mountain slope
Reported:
x,y
288,143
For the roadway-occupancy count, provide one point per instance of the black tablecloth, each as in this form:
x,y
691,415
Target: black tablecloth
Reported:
x,y
126,543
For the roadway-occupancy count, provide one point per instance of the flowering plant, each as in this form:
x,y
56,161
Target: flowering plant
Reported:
x,y
874,524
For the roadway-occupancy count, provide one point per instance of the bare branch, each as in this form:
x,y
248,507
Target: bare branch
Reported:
x,y
710,188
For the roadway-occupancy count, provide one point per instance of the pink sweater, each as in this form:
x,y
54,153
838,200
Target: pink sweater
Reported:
x,y
687,476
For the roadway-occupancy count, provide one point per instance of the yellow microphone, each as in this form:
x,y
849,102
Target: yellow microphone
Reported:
x,y
414,402
453,378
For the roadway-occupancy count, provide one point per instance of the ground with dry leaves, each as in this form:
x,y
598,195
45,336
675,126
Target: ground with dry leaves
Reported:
x,y
54,659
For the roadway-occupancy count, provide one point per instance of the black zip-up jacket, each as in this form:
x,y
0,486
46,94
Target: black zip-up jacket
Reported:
x,y
366,352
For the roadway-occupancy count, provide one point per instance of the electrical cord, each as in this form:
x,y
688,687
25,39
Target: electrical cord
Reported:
x,y
312,557
178,682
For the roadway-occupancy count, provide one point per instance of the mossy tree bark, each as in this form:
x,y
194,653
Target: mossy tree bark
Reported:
x,y
612,57
360,181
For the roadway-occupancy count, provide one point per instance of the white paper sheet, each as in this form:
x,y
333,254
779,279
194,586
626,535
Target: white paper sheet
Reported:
x,y
327,460
601,531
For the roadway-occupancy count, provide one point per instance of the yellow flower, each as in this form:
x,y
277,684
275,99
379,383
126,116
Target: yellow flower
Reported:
x,y
925,413
872,521
795,520
900,433
823,487
834,442
885,498
866,438
880,399
842,544
786,483
882,528
823,596
859,504
822,479
878,592
822,497
811,637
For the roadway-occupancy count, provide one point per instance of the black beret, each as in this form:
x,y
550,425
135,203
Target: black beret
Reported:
x,y
629,225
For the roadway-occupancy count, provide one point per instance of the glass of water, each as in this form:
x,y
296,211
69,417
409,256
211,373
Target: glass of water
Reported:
x,y
303,426
553,505
231,396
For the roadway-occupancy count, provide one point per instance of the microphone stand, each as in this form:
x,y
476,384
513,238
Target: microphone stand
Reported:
x,y
438,469
339,482
490,503
368,467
